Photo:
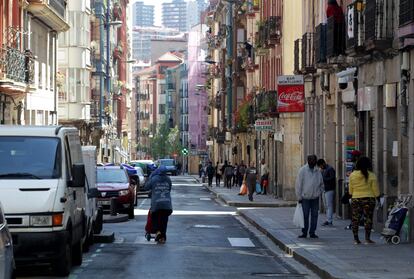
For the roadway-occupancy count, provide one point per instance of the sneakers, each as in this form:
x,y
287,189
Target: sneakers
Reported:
x,y
326,223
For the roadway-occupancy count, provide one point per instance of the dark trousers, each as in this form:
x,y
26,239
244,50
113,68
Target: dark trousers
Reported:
x,y
240,179
228,180
160,221
210,180
218,179
310,207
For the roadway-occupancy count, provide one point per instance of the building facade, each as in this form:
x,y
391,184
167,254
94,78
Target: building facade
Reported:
x,y
141,41
28,94
174,15
142,15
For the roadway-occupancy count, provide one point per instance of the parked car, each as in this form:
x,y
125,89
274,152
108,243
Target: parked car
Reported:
x,y
42,188
6,249
169,165
148,166
141,177
114,182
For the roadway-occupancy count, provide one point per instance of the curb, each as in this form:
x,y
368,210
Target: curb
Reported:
x,y
115,219
299,254
249,204
104,237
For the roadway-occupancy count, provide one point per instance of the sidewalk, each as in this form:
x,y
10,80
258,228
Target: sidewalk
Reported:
x,y
333,255
231,197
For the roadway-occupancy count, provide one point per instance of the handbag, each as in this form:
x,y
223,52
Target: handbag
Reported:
x,y
345,198
258,188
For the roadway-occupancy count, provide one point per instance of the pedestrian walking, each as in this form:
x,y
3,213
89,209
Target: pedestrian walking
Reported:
x,y
228,172
218,174
241,172
309,187
250,178
161,206
329,181
355,155
364,191
264,179
235,171
210,173
200,170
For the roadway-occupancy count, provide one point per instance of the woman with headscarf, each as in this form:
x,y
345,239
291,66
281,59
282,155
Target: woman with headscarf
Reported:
x,y
161,207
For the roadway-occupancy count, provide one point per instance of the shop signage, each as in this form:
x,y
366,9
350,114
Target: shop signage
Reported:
x,y
350,21
291,94
263,125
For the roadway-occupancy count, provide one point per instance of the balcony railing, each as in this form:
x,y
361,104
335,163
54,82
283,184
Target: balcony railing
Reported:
x,y
308,53
335,37
379,31
406,12
16,65
274,29
320,44
297,54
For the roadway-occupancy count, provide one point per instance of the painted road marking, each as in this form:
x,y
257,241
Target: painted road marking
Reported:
x,y
205,199
207,226
240,242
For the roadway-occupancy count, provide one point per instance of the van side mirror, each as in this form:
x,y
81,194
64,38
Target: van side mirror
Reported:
x,y
78,176
93,193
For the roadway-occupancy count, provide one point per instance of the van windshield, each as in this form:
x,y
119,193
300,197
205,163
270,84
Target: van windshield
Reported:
x,y
167,162
24,157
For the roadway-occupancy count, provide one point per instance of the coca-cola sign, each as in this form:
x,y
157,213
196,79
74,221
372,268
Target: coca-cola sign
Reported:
x,y
291,94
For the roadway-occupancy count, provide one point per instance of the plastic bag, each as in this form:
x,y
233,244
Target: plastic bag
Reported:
x,y
243,189
298,219
258,188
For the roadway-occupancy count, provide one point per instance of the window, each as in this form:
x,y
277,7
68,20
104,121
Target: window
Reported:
x,y
161,109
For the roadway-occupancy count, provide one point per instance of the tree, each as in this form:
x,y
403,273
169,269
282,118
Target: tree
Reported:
x,y
166,142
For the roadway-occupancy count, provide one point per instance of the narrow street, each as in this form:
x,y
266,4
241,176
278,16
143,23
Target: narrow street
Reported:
x,y
205,240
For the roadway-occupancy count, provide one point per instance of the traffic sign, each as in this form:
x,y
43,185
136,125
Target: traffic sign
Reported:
x,y
184,151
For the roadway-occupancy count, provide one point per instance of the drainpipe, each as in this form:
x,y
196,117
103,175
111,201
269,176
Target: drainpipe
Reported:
x,y
405,78
229,68
55,120
101,78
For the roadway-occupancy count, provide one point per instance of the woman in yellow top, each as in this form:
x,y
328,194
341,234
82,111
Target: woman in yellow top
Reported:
x,y
364,190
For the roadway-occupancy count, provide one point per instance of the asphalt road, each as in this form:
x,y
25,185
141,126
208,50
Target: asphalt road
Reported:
x,y
205,239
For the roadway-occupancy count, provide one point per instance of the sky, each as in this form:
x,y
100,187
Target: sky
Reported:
x,y
157,4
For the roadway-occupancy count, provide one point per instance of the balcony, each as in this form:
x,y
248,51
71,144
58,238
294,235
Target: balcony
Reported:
x,y
274,30
51,12
335,38
266,104
16,70
406,19
320,44
379,31
308,54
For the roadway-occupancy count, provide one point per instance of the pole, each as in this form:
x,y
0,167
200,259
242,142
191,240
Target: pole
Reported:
x,y
229,63
108,49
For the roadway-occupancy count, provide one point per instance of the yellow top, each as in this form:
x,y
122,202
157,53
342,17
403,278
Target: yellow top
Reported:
x,y
359,187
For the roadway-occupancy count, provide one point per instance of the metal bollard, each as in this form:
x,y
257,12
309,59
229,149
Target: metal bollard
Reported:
x,y
113,206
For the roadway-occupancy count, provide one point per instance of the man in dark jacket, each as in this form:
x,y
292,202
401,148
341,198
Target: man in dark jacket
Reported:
x,y
210,173
329,180
161,207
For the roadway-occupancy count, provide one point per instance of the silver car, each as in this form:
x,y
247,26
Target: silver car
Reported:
x,y
6,249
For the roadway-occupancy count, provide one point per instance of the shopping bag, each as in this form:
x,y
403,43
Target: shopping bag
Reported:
x,y
298,219
258,188
243,189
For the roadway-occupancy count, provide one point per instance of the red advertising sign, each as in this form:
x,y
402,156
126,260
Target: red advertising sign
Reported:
x,y
291,94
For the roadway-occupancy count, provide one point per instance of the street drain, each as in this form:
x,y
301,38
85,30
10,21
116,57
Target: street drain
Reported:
x,y
278,275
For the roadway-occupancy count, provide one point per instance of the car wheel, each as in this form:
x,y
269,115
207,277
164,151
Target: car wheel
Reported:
x,y
131,214
63,265
77,256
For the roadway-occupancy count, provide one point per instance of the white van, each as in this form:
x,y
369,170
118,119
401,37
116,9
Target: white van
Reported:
x,y
42,189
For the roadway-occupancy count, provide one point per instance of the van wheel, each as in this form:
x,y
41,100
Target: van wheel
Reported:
x,y
62,266
131,214
77,253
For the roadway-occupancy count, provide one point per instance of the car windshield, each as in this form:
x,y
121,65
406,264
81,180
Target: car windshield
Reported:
x,y
112,176
29,157
167,163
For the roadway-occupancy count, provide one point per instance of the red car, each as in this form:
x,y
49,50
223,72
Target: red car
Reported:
x,y
114,182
